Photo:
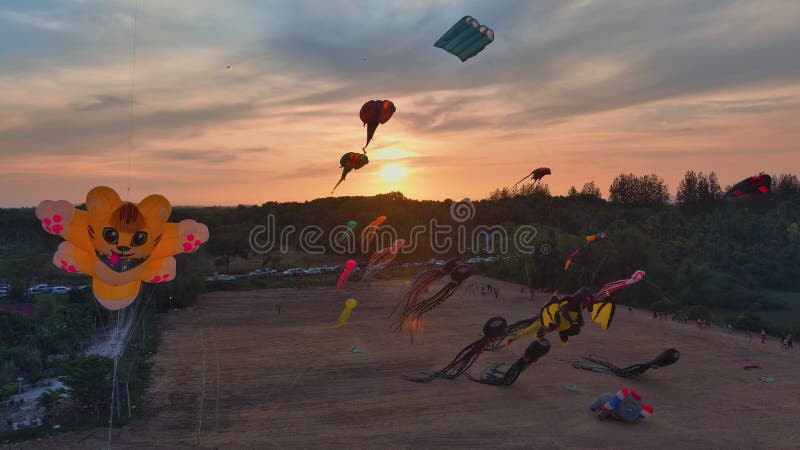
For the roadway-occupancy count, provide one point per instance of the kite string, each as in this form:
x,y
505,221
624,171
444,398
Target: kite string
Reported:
x,y
127,197
133,91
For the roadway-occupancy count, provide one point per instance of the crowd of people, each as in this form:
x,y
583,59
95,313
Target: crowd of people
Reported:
x,y
675,316
787,342
484,289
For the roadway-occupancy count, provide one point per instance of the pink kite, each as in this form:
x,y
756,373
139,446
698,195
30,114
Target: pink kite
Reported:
x,y
614,286
348,267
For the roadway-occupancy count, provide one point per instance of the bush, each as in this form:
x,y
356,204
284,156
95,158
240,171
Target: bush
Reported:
x,y
698,312
8,391
748,321
663,306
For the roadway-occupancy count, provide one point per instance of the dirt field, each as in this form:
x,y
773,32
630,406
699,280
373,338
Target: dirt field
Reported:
x,y
234,373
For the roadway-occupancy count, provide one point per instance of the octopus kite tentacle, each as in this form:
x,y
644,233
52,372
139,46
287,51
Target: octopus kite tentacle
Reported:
x,y
493,328
602,365
536,350
413,294
382,258
457,276
512,332
436,299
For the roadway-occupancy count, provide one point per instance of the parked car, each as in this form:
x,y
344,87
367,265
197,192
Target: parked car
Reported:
x,y
223,277
258,273
58,290
473,261
313,271
293,272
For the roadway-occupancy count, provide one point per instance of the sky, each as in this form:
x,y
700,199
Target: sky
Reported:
x,y
588,88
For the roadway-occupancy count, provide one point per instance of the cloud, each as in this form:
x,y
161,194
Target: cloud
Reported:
x,y
99,102
33,20
644,83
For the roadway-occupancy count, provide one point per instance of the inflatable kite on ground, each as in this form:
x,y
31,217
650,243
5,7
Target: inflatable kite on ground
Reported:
x,y
458,274
536,175
493,328
350,161
602,365
374,113
759,185
589,240
370,231
625,406
495,377
382,258
466,38
119,244
348,268
351,226
348,308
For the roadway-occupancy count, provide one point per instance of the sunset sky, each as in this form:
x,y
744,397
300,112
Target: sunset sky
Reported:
x,y
588,88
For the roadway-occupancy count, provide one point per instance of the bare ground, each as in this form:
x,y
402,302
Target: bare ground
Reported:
x,y
232,372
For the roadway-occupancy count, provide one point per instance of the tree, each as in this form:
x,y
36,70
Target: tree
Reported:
x,y
89,381
787,185
590,189
228,243
50,400
687,189
534,189
646,190
572,192
697,191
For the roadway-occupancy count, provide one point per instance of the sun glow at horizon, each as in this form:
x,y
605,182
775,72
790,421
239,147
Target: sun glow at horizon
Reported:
x,y
393,172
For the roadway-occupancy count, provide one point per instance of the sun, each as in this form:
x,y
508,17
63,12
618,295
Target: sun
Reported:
x,y
393,172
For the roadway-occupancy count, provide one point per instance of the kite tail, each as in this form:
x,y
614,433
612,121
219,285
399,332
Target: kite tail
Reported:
x,y
465,358
512,333
342,321
535,350
370,133
337,184
437,299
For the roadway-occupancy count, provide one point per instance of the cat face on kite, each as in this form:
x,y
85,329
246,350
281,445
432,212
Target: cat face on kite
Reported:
x,y
123,238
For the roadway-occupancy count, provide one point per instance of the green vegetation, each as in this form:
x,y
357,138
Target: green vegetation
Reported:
x,y
726,260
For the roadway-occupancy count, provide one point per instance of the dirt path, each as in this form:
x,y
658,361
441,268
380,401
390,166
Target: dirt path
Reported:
x,y
232,372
